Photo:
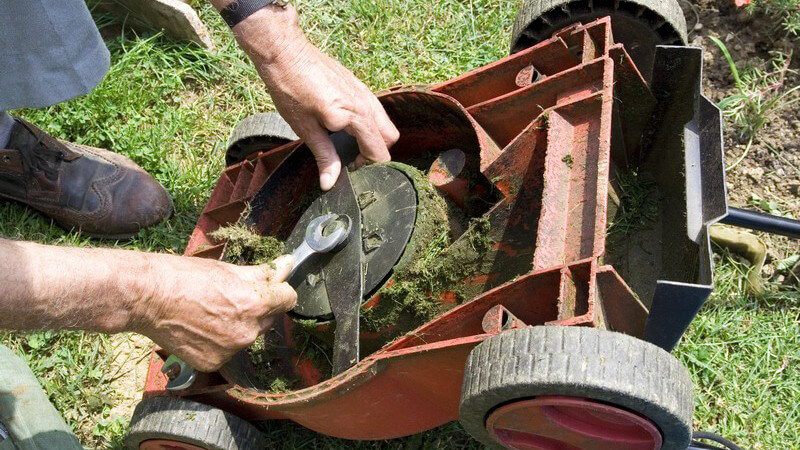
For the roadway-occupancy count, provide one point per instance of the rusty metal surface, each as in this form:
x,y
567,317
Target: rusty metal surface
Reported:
x,y
447,175
499,319
548,147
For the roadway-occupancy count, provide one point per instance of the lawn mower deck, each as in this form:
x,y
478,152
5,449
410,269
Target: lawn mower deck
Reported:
x,y
530,347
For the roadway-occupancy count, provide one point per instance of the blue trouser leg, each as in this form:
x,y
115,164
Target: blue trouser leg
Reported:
x,y
25,411
50,52
6,122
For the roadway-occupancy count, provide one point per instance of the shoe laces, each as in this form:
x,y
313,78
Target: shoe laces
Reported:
x,y
42,158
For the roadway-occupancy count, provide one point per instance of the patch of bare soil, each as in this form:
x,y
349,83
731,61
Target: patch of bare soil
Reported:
x,y
771,170
131,357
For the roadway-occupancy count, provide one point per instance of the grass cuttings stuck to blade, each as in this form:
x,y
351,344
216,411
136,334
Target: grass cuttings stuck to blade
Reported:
x,y
416,296
638,204
246,246
426,281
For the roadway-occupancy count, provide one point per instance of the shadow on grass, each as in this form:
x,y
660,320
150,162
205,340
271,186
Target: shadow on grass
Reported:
x,y
287,435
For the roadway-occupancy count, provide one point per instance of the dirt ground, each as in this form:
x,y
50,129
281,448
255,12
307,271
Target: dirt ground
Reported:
x,y
771,169
131,355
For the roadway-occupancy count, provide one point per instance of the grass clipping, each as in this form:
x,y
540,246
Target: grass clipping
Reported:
x,y
432,267
638,204
432,264
419,288
245,246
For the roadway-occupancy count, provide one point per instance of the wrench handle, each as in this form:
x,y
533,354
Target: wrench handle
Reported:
x,y
300,255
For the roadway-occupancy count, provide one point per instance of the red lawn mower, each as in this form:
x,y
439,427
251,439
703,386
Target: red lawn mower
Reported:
x,y
550,332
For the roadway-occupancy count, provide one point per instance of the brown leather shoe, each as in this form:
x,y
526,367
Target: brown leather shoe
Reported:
x,y
99,192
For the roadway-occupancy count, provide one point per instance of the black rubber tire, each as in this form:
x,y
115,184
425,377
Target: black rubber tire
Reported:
x,y
192,423
578,362
259,132
639,24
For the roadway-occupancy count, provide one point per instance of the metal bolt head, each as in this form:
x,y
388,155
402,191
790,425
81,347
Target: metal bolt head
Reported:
x,y
312,279
366,198
373,240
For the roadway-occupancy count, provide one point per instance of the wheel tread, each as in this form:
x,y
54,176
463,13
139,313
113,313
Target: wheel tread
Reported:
x,y
581,362
269,124
268,129
193,423
668,11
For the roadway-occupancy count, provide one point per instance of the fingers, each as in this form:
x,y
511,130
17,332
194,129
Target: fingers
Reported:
x,y
388,133
282,298
328,162
370,143
205,363
373,129
385,126
277,299
326,97
277,296
279,269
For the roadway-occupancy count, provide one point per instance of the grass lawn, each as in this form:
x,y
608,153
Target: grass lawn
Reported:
x,y
170,107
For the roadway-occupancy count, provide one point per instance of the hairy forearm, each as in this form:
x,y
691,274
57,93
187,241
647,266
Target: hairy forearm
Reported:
x,y
47,287
314,93
200,309
269,35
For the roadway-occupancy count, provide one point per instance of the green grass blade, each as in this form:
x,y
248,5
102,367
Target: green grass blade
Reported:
x,y
731,64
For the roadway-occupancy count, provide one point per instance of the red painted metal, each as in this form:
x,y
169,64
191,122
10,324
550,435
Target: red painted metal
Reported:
x,y
166,444
446,175
569,423
498,318
548,146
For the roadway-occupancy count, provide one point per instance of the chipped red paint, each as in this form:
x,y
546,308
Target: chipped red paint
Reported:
x,y
546,146
479,280
445,175
498,318
448,297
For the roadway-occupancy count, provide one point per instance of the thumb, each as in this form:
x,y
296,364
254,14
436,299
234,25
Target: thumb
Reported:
x,y
278,270
328,162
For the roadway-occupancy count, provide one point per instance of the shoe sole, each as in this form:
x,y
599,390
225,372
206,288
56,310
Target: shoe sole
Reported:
x,y
110,237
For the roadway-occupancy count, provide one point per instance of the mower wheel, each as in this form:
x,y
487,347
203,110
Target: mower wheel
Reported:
x,y
638,24
576,388
259,132
161,423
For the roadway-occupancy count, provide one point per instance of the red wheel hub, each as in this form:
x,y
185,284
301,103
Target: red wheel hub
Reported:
x,y
569,423
167,444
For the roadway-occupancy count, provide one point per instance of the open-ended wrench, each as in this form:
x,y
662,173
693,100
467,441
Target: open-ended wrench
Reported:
x,y
324,234
317,241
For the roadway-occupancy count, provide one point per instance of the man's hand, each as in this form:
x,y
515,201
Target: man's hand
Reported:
x,y
314,93
213,310
202,310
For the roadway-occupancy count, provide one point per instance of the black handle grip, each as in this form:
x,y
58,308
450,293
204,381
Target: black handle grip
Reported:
x,y
762,222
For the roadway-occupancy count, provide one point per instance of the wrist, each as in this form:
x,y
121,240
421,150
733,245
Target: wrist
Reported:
x,y
270,35
149,286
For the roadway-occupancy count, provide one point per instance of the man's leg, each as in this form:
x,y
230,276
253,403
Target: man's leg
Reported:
x,y
25,411
6,122
52,52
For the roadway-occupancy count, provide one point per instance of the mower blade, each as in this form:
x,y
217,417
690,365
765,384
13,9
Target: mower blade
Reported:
x,y
344,280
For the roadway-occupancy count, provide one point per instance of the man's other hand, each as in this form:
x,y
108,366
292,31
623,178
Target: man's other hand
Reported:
x,y
314,93
212,309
